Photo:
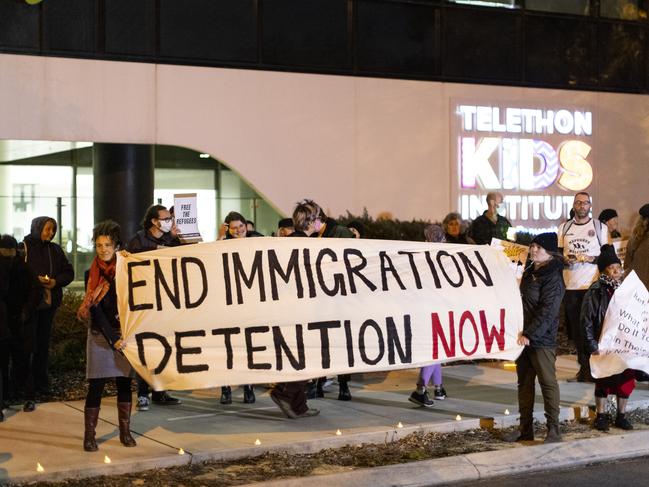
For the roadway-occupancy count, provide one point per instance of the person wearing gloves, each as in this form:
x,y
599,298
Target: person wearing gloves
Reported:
x,y
54,271
593,311
542,290
104,359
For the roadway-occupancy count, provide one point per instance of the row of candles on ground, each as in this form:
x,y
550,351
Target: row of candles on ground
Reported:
x,y
39,467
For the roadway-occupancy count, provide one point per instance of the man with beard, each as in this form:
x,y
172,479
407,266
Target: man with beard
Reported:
x,y
580,240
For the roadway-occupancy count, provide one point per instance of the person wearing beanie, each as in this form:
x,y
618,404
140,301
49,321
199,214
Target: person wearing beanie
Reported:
x,y
609,218
593,311
541,290
637,251
580,239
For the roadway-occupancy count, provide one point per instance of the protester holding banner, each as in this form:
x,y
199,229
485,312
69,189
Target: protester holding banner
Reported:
x,y
593,312
637,252
580,239
432,233
542,290
156,233
104,359
285,227
452,225
237,227
54,271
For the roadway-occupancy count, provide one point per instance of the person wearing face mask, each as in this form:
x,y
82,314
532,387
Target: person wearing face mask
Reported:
x,y
54,271
492,223
593,311
156,233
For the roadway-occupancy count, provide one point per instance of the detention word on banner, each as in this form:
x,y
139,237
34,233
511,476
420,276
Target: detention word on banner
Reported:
x,y
516,253
624,341
186,217
260,310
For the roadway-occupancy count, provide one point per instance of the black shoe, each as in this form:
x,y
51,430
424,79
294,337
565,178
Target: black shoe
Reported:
x,y
440,393
344,394
601,422
622,422
553,434
421,399
29,406
226,395
165,399
284,406
518,436
248,395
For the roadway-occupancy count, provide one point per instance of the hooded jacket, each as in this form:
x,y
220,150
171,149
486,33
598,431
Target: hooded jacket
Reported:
x,y
47,258
143,241
333,230
542,291
593,311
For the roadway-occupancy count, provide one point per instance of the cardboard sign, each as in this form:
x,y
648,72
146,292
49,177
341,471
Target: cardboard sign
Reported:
x,y
186,218
624,341
259,310
515,253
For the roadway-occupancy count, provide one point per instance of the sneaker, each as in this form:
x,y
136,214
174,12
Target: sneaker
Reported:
x,y
440,393
226,395
284,406
421,399
142,403
622,422
308,413
165,399
29,406
601,422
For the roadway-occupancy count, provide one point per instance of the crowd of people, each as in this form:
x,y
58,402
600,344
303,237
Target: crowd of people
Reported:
x,y
576,268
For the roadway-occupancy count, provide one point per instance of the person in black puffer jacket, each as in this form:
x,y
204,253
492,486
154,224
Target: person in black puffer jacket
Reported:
x,y
593,311
542,290
54,272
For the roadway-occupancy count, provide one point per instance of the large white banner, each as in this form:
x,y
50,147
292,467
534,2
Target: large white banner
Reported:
x,y
260,310
624,341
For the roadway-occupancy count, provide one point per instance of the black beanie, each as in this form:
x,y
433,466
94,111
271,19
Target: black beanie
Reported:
x,y
644,211
285,223
358,226
548,241
607,257
607,214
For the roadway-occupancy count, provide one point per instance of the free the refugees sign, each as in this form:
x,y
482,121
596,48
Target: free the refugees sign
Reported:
x,y
261,310
624,340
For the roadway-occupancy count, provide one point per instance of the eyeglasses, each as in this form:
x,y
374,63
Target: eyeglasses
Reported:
x,y
582,203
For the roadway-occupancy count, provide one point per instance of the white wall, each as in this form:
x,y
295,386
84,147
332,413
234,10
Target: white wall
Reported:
x,y
347,142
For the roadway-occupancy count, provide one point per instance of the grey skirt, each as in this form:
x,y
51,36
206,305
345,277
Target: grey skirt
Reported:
x,y
102,360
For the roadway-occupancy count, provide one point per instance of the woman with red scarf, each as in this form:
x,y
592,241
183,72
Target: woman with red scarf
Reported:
x,y
104,357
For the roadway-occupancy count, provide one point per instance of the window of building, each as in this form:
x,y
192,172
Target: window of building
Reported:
x,y
489,3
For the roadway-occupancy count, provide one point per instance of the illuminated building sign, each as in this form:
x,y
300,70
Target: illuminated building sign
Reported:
x,y
537,158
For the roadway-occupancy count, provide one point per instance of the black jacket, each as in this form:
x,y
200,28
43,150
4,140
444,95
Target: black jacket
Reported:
x,y
47,258
104,317
482,230
460,239
20,293
542,291
593,311
143,241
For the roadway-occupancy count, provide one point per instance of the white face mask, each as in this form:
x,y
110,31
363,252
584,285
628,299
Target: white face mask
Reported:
x,y
165,226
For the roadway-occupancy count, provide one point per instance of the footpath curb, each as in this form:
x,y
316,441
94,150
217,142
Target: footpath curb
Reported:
x,y
484,465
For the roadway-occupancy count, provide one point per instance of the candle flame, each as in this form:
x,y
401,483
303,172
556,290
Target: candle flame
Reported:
x,y
257,442
506,411
107,459
400,425
338,432
39,467
181,452
458,418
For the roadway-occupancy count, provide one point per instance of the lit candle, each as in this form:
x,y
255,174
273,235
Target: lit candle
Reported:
x,y
399,425
257,442
107,459
338,432
181,452
506,412
39,467
458,418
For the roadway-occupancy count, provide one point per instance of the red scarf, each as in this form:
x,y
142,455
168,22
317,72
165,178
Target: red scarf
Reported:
x,y
101,275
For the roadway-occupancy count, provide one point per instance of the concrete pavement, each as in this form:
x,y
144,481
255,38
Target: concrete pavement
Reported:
x,y
206,430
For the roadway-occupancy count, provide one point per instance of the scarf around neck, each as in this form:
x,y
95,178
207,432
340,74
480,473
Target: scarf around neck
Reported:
x,y
100,277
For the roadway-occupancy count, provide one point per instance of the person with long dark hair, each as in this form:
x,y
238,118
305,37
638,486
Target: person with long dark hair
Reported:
x,y
54,271
637,251
104,344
